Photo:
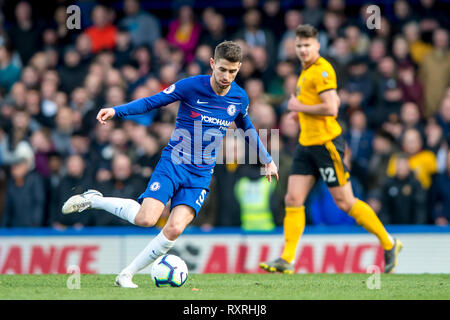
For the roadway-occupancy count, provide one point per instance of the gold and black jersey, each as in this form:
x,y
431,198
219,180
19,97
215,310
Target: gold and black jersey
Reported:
x,y
317,78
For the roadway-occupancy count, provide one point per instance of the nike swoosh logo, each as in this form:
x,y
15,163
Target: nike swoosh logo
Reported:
x,y
201,102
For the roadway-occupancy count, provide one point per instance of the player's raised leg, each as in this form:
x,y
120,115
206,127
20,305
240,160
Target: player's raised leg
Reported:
x,y
368,219
293,224
126,209
179,218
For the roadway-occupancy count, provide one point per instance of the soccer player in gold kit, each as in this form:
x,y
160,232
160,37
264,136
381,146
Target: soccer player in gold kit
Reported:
x,y
319,154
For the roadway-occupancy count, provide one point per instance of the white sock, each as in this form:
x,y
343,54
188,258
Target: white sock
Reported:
x,y
157,247
126,209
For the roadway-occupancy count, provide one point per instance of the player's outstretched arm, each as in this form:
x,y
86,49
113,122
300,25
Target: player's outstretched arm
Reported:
x,y
105,114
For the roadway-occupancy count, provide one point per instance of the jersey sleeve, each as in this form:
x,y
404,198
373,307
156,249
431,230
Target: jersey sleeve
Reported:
x,y
325,78
171,94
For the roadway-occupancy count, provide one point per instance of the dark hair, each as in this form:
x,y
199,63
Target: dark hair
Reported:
x,y
228,50
306,31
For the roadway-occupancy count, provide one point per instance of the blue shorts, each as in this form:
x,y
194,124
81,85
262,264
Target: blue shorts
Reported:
x,y
174,181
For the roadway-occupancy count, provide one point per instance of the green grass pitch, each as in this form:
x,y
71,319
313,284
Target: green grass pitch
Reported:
x,y
232,287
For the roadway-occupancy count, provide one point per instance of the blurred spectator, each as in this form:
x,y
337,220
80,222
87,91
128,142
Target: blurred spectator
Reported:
x,y
184,32
272,14
403,14
25,34
25,196
148,155
358,41
411,86
434,138
377,51
103,33
52,182
9,73
123,184
74,182
400,51
418,49
422,162
72,73
340,56
255,35
292,19
42,147
431,15
410,117
313,12
360,79
263,67
84,47
123,48
443,117
144,28
82,104
332,22
383,145
435,72
214,31
289,129
63,34
143,59
62,133
359,139
404,199
30,77
389,95
100,147
440,195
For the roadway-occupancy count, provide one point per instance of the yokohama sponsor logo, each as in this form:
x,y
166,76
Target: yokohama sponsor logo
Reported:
x,y
216,121
44,259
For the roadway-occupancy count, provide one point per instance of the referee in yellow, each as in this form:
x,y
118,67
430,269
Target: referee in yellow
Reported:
x,y
319,154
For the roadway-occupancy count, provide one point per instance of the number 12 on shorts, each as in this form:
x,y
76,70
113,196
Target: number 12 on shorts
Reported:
x,y
328,174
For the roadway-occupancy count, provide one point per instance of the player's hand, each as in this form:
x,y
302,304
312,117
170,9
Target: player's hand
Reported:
x,y
271,170
105,114
294,104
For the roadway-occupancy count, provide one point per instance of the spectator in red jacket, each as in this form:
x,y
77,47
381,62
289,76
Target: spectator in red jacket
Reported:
x,y
103,32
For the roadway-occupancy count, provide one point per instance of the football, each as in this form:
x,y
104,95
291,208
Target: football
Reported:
x,y
169,270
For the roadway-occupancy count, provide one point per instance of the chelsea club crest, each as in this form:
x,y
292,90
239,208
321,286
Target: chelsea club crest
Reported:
x,y
155,186
231,110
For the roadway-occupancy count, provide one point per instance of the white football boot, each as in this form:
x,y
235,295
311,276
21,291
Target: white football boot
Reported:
x,y
124,280
80,202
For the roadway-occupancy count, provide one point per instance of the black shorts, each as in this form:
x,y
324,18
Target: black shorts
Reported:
x,y
322,161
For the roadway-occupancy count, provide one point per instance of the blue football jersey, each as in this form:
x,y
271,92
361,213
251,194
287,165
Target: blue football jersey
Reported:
x,y
202,120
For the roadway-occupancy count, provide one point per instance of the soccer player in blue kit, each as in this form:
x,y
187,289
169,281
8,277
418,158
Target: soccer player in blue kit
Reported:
x,y
208,106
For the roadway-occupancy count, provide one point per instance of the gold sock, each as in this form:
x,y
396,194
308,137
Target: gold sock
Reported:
x,y
294,224
368,219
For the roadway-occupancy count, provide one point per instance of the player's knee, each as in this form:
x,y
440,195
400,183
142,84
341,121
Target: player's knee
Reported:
x,y
145,219
292,200
344,204
173,230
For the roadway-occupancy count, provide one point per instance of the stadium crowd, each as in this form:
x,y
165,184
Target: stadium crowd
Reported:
x,y
393,81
